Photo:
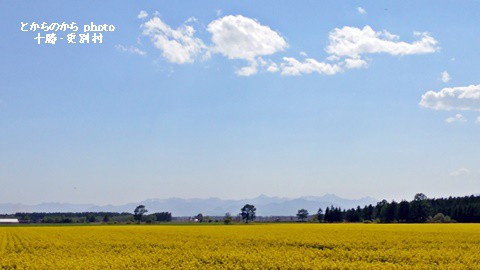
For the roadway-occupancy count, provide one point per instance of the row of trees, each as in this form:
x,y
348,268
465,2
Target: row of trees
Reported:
x,y
420,209
93,217
247,214
68,217
140,214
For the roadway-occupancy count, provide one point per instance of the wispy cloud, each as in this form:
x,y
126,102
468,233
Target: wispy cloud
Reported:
x,y
458,118
445,77
130,49
142,15
191,20
293,67
460,172
361,10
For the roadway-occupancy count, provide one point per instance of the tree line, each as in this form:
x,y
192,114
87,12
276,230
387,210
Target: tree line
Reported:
x,y
420,209
91,217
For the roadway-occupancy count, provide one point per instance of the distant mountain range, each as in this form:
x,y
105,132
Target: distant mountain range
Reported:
x,y
266,206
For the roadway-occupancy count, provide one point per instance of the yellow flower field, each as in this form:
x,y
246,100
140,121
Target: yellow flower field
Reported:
x,y
253,246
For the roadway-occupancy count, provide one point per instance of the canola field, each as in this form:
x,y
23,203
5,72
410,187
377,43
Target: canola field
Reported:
x,y
253,246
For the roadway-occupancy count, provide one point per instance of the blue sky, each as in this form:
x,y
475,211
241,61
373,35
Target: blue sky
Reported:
x,y
233,99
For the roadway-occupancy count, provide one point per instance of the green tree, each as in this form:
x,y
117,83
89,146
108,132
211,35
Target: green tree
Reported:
x,y
328,215
302,214
227,219
91,218
352,215
420,208
163,216
150,218
139,212
359,213
367,212
420,197
378,210
403,211
439,217
106,218
248,212
199,217
25,218
320,215
392,209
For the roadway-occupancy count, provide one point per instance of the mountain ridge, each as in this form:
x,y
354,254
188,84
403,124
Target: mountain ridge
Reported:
x,y
266,205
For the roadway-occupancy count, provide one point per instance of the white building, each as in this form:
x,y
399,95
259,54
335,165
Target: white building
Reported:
x,y
8,220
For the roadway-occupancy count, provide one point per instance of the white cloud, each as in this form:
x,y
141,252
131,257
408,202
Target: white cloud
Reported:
x,y
355,63
333,58
361,10
353,42
177,45
445,77
458,118
243,38
293,67
248,70
142,15
238,37
130,49
267,65
455,98
478,120
273,67
218,12
389,35
460,172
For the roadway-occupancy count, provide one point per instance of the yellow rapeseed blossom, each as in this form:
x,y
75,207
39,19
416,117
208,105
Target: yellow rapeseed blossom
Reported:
x,y
254,246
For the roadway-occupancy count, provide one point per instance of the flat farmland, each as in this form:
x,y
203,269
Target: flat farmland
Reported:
x,y
252,246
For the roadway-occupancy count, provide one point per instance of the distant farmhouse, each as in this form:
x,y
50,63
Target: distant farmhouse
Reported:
x,y
8,221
